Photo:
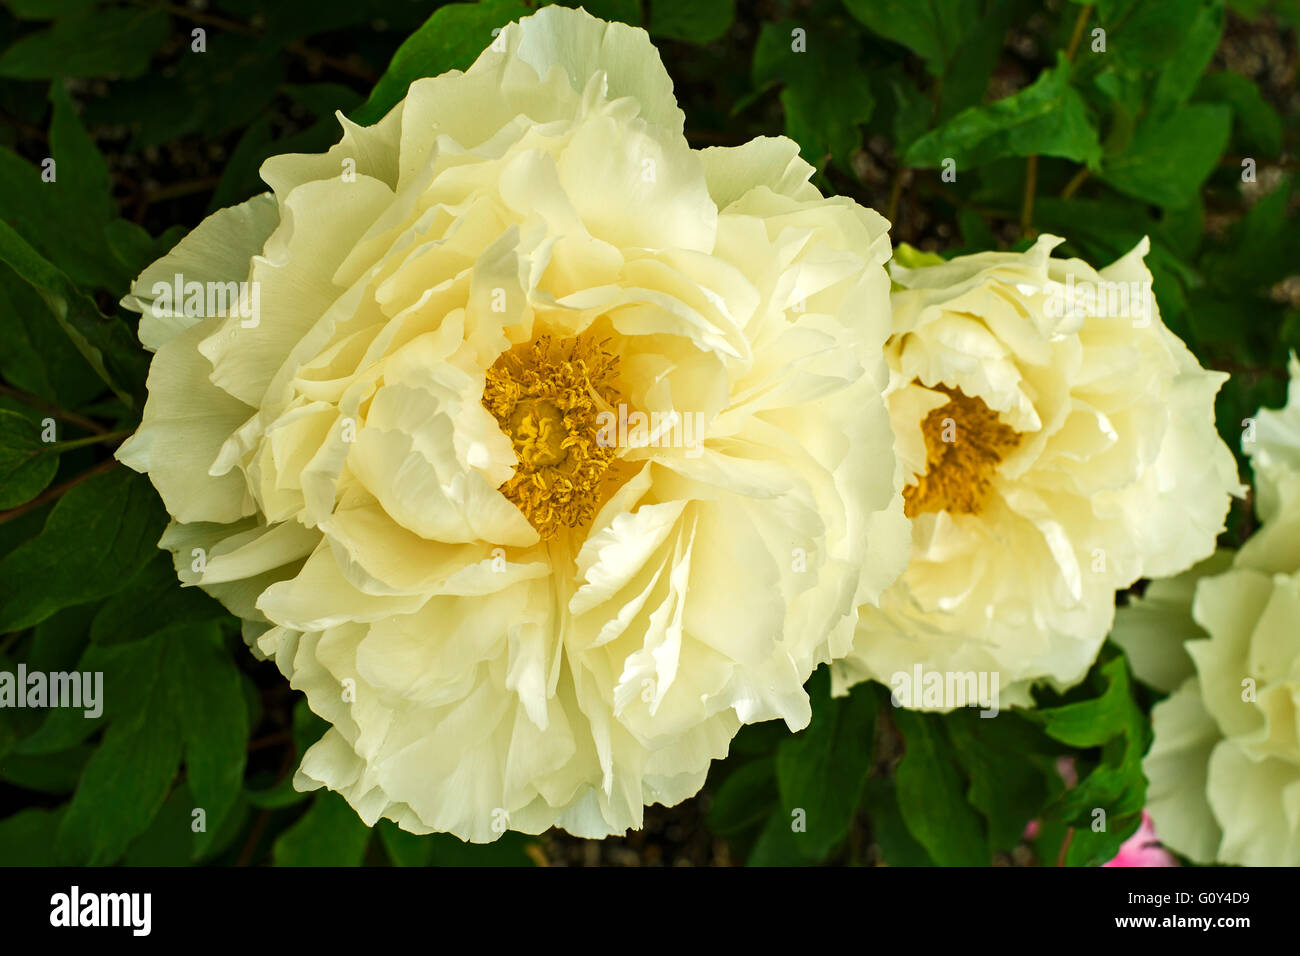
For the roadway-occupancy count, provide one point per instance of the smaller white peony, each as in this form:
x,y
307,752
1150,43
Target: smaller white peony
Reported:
x,y
1058,443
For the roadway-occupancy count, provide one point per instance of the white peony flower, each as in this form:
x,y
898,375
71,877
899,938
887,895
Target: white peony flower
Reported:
x,y
1059,444
436,469
1224,766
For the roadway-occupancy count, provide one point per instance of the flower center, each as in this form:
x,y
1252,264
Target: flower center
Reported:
x,y
537,428
546,396
964,442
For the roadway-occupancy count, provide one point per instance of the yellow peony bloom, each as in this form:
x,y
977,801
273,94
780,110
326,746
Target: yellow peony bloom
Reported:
x,y
1224,767
1058,443
539,450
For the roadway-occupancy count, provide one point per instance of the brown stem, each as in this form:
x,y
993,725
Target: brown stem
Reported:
x,y
1081,176
347,67
50,408
297,48
259,826
985,212
1077,180
176,190
1065,845
254,837
1241,368
207,19
895,194
56,492
270,740
59,447
537,854
1027,206
1077,35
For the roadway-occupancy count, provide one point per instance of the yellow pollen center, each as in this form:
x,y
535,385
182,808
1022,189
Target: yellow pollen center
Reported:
x,y
965,441
547,396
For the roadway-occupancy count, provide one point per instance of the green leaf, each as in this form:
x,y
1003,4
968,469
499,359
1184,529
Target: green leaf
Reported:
x,y
1091,723
175,695
59,641
1145,33
132,247
910,257
969,69
1200,39
1089,847
26,463
97,536
779,844
931,794
81,172
55,773
1011,773
507,851
694,21
283,794
35,356
213,719
167,841
127,670
110,41
822,769
329,834
26,837
1260,250
826,97
44,211
19,529
1047,118
757,740
443,849
210,93
1170,157
105,342
150,601
933,29
912,110
1114,784
403,848
233,828
745,798
975,232
1258,127
451,39
125,782
897,846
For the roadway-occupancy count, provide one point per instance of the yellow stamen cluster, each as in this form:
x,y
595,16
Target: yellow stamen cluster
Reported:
x,y
964,442
546,396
